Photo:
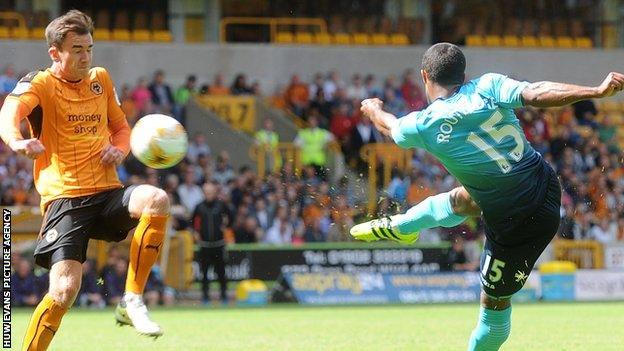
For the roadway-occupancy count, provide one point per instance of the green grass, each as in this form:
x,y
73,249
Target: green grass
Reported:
x,y
565,326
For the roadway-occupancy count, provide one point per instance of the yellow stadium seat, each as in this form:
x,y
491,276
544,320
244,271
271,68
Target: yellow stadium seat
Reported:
x,y
37,33
360,39
493,40
583,43
141,35
162,36
304,38
284,38
529,42
474,40
121,34
379,39
4,33
511,41
342,39
101,34
399,39
565,42
19,33
323,38
547,42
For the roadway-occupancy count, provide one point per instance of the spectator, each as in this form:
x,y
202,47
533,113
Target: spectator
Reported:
x,y
608,133
210,219
142,97
162,97
197,146
316,87
364,133
392,84
255,88
605,231
585,112
394,104
297,97
128,105
189,192
90,294
268,140
217,87
186,91
156,292
8,81
356,90
223,171
342,123
182,96
297,224
115,281
281,232
24,285
248,232
397,189
239,86
372,90
262,215
313,142
411,92
457,259
331,85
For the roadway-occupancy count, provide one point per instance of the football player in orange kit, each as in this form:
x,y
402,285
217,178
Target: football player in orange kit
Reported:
x,y
79,135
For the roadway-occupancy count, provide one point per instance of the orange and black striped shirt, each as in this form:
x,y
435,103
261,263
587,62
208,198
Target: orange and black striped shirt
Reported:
x,y
74,121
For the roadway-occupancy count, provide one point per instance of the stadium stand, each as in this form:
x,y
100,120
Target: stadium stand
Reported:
x,y
585,151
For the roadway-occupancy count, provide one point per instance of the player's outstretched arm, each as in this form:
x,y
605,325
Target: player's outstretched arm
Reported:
x,y
381,119
11,115
551,94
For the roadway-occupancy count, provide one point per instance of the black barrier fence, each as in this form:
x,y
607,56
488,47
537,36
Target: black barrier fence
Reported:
x,y
265,262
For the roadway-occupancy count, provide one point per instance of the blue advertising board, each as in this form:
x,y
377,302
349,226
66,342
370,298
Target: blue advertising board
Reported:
x,y
366,288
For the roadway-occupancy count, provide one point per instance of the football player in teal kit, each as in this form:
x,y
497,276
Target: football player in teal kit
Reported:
x,y
471,128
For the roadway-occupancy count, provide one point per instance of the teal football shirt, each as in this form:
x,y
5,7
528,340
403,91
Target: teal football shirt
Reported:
x,y
475,134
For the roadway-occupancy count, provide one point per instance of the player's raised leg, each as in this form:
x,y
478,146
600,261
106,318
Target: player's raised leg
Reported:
x,y
65,279
443,210
151,205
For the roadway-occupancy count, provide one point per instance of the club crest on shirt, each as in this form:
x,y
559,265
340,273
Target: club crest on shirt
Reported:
x,y
96,88
51,235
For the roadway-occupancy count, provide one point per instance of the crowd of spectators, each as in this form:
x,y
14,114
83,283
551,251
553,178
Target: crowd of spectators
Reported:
x,y
579,141
99,288
283,208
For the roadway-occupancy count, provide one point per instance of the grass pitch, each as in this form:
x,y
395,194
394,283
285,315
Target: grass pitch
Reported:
x,y
542,326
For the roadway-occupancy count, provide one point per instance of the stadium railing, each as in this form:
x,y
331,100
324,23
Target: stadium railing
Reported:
x,y
17,32
584,253
389,156
272,22
288,154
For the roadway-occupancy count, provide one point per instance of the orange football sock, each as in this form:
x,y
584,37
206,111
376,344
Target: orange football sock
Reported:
x,y
43,325
144,249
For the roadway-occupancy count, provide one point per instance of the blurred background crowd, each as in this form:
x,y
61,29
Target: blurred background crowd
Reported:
x,y
580,141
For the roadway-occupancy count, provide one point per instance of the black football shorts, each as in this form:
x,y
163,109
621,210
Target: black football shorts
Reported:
x,y
69,223
508,257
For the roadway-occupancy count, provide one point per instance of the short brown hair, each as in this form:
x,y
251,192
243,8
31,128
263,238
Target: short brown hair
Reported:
x,y
73,21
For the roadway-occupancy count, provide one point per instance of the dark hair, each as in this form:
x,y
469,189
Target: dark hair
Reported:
x,y
73,21
445,64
